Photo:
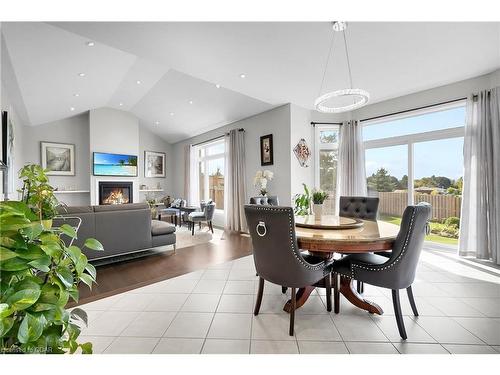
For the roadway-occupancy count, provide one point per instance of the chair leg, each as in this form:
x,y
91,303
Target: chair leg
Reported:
x,y
412,301
212,227
360,286
192,229
283,289
259,296
292,311
199,224
399,315
336,294
328,286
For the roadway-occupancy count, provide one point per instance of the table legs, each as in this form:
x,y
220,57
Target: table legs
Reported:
x,y
349,291
302,296
346,288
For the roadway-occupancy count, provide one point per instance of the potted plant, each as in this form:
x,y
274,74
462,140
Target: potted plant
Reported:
x,y
39,274
151,201
38,194
302,202
261,179
318,197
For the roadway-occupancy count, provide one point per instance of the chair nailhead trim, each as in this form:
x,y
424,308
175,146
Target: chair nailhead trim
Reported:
x,y
393,263
293,243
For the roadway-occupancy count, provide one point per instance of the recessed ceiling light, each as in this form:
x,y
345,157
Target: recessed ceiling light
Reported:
x,y
76,95
171,113
217,85
120,104
190,102
90,44
138,82
157,122
243,75
71,109
81,74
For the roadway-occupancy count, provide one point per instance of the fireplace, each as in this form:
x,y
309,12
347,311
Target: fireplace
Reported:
x,y
115,192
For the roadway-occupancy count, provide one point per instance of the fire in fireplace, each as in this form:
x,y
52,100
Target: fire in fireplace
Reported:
x,y
115,192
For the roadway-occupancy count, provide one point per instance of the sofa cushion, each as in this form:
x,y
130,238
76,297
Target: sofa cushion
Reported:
x,y
159,228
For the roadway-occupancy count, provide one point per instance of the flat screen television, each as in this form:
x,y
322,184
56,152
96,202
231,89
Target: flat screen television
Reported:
x,y
119,165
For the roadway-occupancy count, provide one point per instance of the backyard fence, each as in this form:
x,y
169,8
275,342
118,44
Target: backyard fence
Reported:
x,y
443,206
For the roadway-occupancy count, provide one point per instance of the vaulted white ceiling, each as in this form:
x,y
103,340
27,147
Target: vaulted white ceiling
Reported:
x,y
181,62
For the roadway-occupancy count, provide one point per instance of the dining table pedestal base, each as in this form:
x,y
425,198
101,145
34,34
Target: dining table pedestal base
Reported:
x,y
346,288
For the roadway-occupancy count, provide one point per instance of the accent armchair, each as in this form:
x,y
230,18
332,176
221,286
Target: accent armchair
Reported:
x,y
205,214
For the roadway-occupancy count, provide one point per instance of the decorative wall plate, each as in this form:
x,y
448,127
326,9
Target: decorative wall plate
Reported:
x,y
302,152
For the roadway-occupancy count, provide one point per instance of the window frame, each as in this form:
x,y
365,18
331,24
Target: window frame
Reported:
x,y
410,139
207,158
318,147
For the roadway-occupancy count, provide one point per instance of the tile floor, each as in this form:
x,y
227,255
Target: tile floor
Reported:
x,y
210,311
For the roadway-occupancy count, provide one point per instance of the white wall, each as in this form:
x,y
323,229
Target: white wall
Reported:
x,y
149,141
74,130
275,122
115,132
300,127
428,97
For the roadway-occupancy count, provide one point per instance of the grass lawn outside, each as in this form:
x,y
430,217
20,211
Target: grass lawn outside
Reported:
x,y
432,237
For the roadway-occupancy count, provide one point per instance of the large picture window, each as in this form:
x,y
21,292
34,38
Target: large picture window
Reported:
x,y
418,158
210,170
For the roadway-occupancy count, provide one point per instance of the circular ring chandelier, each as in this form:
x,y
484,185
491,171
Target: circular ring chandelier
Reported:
x,y
360,97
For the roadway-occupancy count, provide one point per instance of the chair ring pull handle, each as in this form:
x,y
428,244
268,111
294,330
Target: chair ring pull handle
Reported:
x,y
261,225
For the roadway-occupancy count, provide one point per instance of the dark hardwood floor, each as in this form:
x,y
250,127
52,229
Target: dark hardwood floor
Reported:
x,y
127,275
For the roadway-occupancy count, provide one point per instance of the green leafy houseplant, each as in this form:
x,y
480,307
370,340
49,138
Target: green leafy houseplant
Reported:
x,y
302,202
39,273
37,193
319,196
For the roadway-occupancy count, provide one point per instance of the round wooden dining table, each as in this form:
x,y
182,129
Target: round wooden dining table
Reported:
x,y
342,235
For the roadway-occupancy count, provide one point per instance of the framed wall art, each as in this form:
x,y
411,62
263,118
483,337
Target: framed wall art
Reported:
x,y
58,158
154,164
266,150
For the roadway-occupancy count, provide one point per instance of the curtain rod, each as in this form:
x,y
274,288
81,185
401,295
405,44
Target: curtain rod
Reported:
x,y
416,109
313,123
214,138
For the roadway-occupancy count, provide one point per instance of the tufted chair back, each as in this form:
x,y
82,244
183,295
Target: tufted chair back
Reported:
x,y
209,209
398,272
275,251
271,200
359,207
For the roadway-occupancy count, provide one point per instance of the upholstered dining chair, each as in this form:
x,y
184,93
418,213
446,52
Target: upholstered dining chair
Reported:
x,y
206,213
268,200
398,271
365,208
277,257
173,210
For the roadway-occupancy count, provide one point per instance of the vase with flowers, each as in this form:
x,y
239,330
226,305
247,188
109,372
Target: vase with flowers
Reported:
x,y
261,180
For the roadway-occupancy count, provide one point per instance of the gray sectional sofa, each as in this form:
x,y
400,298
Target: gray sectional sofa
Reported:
x,y
121,229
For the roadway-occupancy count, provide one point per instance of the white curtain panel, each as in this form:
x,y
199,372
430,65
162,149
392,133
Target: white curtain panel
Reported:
x,y
234,184
187,171
351,175
193,197
480,222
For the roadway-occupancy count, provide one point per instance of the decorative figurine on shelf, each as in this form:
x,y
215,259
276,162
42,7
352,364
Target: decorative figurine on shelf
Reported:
x,y
261,179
